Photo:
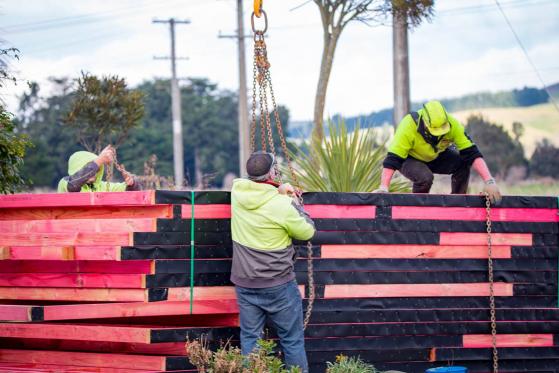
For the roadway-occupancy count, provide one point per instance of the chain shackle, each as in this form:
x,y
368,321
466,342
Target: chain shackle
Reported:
x,y
253,22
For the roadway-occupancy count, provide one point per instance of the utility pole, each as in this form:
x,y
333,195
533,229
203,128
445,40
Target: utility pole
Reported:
x,y
178,152
244,129
401,67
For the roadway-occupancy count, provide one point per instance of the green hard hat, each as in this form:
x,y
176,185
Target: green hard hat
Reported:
x,y
435,118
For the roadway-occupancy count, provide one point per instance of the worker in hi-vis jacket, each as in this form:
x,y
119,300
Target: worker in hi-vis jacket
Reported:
x,y
431,141
265,217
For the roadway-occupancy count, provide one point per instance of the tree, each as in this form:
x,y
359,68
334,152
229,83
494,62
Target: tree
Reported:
x,y
499,150
345,162
545,160
41,119
104,111
335,15
12,144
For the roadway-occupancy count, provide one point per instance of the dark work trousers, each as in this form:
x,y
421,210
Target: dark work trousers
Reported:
x,y
447,163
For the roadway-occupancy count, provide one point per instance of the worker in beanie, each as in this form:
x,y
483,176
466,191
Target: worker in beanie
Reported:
x,y
431,141
85,174
264,219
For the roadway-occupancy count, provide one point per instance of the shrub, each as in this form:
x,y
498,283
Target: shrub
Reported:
x,y
346,364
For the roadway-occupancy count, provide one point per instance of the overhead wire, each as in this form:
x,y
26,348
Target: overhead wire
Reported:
x,y
525,51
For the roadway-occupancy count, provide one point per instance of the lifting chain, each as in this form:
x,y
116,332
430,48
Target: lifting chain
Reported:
x,y
491,283
261,85
116,165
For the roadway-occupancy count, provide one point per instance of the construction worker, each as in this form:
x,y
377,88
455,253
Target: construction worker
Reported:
x,y
265,217
85,174
431,141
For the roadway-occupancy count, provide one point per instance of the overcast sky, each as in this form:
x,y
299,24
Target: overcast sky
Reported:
x,y
467,47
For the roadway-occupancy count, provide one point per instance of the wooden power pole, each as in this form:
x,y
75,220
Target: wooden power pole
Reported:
x,y
244,128
178,152
401,67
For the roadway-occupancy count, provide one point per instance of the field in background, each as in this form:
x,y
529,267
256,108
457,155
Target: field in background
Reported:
x,y
540,121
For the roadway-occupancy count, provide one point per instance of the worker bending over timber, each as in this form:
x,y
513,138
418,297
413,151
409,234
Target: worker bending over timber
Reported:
x,y
85,172
264,219
431,141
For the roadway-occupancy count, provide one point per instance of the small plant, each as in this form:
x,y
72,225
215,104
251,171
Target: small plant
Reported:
x,y
228,359
346,364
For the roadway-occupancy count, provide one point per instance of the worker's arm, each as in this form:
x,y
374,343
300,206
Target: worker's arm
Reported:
x,y
298,223
75,182
397,152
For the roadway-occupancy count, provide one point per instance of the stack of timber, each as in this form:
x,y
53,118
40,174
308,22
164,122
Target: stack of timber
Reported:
x,y
104,281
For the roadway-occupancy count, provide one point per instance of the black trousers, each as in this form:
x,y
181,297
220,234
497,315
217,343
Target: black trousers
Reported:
x,y
447,163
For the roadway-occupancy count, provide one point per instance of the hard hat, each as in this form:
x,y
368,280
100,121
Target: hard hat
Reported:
x,y
435,118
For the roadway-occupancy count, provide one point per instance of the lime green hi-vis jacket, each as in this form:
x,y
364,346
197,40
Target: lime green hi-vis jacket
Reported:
x,y
81,168
408,141
263,223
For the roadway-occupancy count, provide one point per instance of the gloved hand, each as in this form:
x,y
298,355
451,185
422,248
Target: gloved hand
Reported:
x,y
286,189
106,156
493,191
381,189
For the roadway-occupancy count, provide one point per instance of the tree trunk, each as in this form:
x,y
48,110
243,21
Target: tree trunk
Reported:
x,y
330,42
198,170
401,67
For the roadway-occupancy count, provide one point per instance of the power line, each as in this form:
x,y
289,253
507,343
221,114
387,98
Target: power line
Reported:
x,y
551,98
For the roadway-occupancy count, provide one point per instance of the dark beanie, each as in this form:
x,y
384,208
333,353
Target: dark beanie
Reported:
x,y
259,163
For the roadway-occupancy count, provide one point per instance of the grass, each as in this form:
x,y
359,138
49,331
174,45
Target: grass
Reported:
x,y
540,121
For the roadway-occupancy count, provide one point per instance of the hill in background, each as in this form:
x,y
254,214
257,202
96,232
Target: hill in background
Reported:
x,y
530,106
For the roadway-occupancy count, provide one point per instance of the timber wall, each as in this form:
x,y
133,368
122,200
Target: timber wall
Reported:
x,y
95,281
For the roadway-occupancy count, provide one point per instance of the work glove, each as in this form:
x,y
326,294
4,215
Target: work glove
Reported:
x,y
106,156
381,189
492,191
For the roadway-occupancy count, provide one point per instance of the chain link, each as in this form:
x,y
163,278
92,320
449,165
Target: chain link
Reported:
x,y
491,289
263,79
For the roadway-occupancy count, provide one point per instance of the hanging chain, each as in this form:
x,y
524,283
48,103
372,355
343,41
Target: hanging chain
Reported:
x,y
263,79
491,290
116,165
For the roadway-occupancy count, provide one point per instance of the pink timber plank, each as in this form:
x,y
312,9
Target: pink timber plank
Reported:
x,y
78,199
10,312
65,239
78,225
83,359
54,368
78,295
412,252
73,280
471,213
417,290
78,332
462,238
218,211
60,253
166,348
77,266
37,253
341,211
92,212
137,309
508,340
208,293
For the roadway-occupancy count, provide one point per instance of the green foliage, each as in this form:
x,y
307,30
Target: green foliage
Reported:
x,y
40,118
228,359
12,144
545,160
210,127
12,151
104,110
415,10
346,364
343,162
499,150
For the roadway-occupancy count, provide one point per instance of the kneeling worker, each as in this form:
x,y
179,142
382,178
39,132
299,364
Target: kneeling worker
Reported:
x,y
422,147
85,174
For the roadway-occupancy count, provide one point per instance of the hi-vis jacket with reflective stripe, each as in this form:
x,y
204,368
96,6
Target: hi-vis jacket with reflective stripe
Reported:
x,y
263,222
408,141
